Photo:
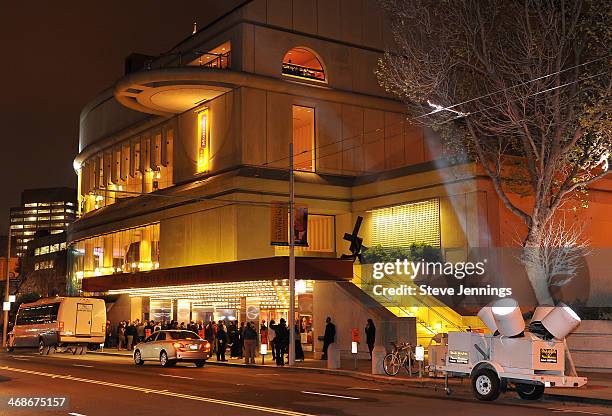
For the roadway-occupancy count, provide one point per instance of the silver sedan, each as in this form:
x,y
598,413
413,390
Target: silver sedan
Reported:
x,y
172,346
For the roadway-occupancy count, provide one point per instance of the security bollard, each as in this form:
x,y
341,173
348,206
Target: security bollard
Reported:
x,y
333,356
378,359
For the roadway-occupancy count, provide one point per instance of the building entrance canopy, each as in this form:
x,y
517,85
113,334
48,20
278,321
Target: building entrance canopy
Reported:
x,y
270,268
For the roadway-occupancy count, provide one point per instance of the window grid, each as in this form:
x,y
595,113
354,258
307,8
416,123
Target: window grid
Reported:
x,y
403,225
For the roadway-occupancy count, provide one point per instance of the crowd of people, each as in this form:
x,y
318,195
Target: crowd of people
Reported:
x,y
242,339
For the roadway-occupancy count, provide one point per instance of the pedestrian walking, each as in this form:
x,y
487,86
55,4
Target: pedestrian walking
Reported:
x,y
281,342
221,341
370,332
250,343
108,339
328,337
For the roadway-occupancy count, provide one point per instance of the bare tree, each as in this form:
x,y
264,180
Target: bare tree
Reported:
x,y
522,87
562,247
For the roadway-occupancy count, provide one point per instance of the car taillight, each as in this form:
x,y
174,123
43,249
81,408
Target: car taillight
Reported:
x,y
205,345
60,325
103,328
178,345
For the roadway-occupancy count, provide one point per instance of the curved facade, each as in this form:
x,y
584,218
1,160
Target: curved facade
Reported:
x,y
180,163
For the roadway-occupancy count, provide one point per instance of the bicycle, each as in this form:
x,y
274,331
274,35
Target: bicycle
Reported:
x,y
400,356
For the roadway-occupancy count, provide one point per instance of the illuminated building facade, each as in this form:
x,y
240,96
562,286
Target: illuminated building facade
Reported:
x,y
179,163
45,209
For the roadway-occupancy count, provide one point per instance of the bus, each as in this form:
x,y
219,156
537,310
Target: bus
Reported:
x,y
59,324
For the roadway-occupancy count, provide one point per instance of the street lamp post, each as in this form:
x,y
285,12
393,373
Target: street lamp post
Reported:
x,y
7,292
291,319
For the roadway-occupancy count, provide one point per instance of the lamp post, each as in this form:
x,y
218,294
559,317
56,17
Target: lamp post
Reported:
x,y
290,322
7,292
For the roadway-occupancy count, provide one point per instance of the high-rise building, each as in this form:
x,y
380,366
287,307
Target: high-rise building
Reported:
x,y
51,209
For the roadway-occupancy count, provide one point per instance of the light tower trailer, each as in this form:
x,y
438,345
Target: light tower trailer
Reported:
x,y
494,363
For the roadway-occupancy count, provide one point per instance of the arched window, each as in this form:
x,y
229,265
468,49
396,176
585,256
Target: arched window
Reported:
x,y
302,63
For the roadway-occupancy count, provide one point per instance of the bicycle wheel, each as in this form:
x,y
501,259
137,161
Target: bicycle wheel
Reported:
x,y
391,364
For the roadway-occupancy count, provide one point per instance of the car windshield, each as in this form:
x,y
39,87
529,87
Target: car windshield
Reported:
x,y
184,335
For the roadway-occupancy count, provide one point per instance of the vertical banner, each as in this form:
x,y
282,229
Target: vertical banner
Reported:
x,y
300,226
203,135
279,224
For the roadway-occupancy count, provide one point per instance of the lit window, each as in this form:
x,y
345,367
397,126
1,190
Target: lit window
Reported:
x,y
16,226
57,217
403,225
33,204
43,204
44,250
302,63
30,219
41,218
70,204
303,138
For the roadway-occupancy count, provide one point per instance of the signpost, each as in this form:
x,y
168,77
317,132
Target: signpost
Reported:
x,y
355,344
291,319
7,296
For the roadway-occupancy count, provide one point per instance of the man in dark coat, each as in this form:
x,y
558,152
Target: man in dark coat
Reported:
x,y
221,341
370,331
281,341
328,337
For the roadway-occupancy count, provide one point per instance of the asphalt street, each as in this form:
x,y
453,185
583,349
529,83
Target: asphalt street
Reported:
x,y
97,385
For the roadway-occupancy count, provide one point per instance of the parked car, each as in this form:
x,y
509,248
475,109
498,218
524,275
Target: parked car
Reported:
x,y
58,324
171,346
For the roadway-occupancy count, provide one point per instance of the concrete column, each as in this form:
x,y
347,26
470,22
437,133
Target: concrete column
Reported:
x,y
378,356
333,356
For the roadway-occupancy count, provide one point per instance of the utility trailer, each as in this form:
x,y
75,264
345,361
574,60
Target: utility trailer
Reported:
x,y
495,364
513,356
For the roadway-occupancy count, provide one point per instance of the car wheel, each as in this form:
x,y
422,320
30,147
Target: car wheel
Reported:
x,y
82,350
530,391
200,363
163,359
42,348
138,358
485,384
74,349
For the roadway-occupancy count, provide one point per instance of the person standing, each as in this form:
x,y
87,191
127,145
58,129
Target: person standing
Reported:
x,y
108,339
241,340
130,333
140,331
271,337
221,341
121,336
281,341
250,343
328,337
209,335
370,332
299,352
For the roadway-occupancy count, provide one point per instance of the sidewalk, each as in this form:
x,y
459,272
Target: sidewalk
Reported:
x,y
597,391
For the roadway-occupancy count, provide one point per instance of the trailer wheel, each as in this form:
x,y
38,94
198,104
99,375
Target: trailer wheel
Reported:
x,y
42,348
485,384
530,391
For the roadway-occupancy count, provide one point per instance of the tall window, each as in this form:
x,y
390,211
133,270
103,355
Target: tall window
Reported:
x,y
303,138
402,225
302,63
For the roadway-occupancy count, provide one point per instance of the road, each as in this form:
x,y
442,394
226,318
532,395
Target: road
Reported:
x,y
98,385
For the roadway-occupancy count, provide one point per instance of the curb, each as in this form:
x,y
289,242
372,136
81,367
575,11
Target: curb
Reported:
x,y
379,378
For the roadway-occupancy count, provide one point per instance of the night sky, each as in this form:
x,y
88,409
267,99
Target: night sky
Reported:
x,y
56,56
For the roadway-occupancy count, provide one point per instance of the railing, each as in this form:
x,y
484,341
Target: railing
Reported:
x,y
303,72
218,61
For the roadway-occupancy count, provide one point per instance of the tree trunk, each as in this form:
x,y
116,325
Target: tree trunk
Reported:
x,y
535,270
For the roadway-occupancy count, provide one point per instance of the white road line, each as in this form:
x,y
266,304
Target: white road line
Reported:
x,y
83,365
170,375
76,414
331,395
574,411
363,388
267,374
268,410
21,358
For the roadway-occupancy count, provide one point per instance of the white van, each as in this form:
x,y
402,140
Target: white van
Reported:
x,y
60,323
